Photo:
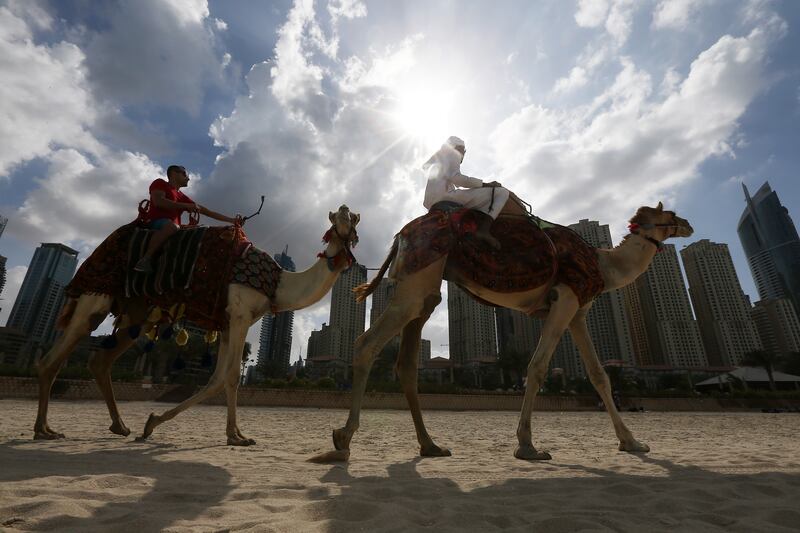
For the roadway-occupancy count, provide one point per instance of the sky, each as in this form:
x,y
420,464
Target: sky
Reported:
x,y
585,109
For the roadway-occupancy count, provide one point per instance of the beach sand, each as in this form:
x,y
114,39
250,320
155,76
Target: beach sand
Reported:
x,y
706,472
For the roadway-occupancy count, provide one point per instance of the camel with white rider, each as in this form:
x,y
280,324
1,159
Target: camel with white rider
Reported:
x,y
543,270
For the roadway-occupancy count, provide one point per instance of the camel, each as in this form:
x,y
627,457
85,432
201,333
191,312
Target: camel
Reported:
x,y
245,306
417,294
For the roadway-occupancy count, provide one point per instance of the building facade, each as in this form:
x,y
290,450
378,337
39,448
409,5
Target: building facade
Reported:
x,y
471,328
607,320
772,246
41,295
722,309
275,339
672,333
347,316
778,325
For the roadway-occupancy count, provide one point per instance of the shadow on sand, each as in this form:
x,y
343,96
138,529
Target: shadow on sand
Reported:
x,y
171,491
580,498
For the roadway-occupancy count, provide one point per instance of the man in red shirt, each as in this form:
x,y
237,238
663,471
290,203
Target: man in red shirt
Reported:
x,y
167,203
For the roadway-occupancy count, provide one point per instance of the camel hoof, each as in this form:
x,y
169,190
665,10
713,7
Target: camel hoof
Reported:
x,y
340,440
335,456
529,453
634,447
149,426
47,435
434,451
119,428
236,441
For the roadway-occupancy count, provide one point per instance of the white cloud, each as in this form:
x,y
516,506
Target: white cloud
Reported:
x,y
627,147
576,79
35,116
676,14
14,277
156,53
591,13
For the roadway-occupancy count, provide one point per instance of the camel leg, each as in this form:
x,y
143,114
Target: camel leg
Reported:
x,y
90,310
213,387
238,332
100,365
407,361
405,306
563,307
599,378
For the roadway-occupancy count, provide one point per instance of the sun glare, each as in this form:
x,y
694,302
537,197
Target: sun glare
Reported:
x,y
425,115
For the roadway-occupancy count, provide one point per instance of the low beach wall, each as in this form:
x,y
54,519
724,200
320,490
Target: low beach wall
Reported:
x,y
15,387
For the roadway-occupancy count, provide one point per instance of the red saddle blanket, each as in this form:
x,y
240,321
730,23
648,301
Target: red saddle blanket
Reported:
x,y
225,256
529,257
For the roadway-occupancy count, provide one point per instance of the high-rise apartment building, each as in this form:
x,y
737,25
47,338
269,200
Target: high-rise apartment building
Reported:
x,y
348,317
778,326
42,293
633,310
672,333
607,321
2,276
3,222
721,308
771,245
424,352
471,328
275,340
516,331
380,299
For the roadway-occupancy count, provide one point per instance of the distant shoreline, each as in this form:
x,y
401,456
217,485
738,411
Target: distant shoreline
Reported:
x,y
84,390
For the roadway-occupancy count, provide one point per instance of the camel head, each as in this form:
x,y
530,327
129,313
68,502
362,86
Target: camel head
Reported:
x,y
343,227
656,224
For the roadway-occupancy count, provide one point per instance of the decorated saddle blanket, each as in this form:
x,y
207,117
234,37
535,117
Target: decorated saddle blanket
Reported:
x,y
173,265
530,256
223,255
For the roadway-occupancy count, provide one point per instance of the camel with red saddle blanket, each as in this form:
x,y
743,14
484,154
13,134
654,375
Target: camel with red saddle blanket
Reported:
x,y
238,299
564,276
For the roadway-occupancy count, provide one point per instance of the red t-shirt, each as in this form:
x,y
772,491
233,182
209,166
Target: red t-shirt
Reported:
x,y
170,193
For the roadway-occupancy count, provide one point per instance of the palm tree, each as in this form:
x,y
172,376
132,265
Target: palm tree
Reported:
x,y
762,359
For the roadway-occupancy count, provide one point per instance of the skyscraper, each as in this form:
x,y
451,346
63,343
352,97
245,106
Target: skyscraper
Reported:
x,y
471,328
771,245
607,321
380,299
672,333
516,331
347,317
3,222
778,326
275,340
722,310
2,274
42,293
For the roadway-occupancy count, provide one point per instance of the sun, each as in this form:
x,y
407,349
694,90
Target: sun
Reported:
x,y
425,115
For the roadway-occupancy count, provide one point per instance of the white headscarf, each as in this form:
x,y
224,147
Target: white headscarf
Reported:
x,y
447,158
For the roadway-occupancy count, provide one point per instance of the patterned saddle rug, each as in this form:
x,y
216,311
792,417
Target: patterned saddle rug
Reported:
x,y
529,256
205,262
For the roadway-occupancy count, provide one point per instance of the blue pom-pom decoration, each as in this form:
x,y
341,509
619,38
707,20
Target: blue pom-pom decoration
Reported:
x,y
134,331
167,333
149,346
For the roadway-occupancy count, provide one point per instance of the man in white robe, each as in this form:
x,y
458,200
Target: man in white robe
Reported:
x,y
443,171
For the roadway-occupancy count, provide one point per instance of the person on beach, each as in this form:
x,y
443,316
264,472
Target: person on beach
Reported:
x,y
167,203
443,171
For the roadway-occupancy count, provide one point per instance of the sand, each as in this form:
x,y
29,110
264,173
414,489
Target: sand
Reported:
x,y
706,472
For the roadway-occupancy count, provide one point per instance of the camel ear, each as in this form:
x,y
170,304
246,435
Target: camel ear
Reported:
x,y
660,206
354,219
332,217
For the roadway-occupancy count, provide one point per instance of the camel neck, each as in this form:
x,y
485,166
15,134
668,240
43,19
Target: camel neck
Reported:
x,y
297,290
626,262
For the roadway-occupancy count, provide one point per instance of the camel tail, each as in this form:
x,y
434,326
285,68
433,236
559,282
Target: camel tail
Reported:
x,y
362,291
66,313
